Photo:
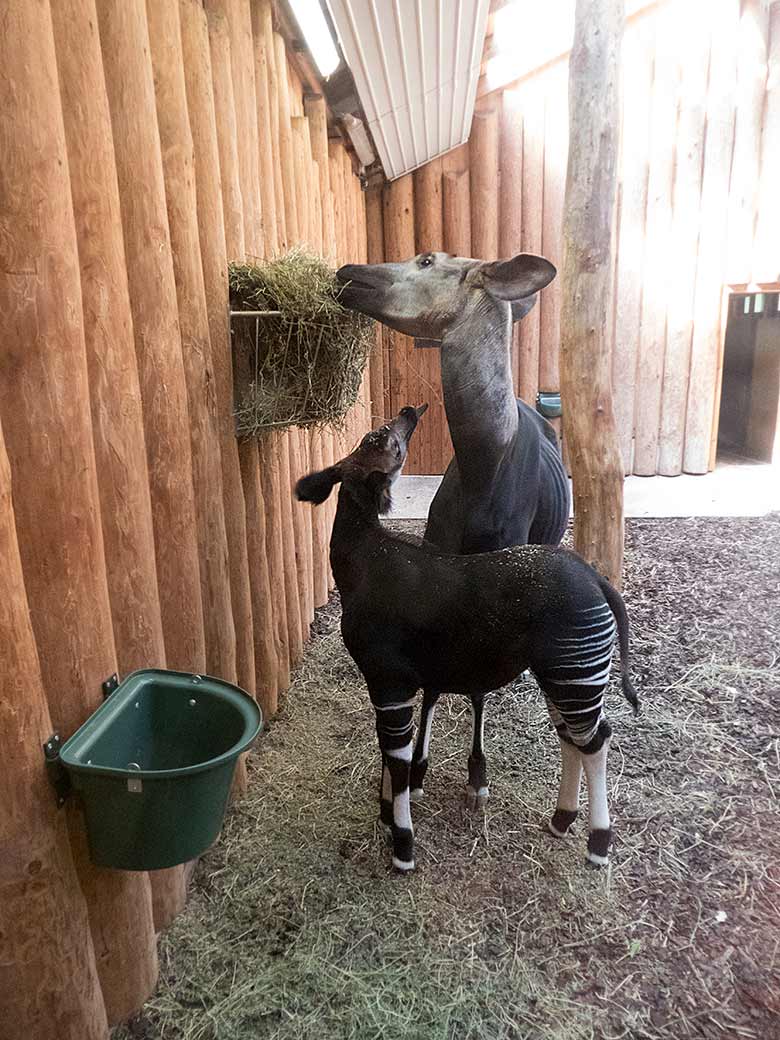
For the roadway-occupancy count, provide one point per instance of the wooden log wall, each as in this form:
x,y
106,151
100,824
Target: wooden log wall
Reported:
x,y
146,145
696,203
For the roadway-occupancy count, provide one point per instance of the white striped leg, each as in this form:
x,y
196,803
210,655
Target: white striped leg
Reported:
x,y
567,806
477,792
422,747
394,730
600,834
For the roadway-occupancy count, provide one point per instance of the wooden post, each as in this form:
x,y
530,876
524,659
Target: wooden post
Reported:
x,y
117,417
238,22
510,209
483,147
681,262
269,449
299,128
533,204
211,226
398,223
656,284
179,169
227,135
375,248
766,263
266,141
296,626
588,419
124,36
49,984
55,495
286,157
711,267
435,448
265,14
556,144
635,148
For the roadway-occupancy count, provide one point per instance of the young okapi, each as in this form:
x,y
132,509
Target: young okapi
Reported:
x,y
415,618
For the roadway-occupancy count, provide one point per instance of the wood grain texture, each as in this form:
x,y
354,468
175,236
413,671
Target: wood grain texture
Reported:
x,y
45,415
588,419
262,45
532,223
766,265
398,214
213,251
510,210
178,156
48,983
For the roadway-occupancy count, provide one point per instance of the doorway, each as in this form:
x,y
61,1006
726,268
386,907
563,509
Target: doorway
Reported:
x,y
748,424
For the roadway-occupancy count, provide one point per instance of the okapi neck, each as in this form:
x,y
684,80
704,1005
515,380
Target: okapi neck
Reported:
x,y
479,396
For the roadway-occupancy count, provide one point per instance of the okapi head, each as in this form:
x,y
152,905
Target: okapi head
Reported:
x,y
428,295
371,468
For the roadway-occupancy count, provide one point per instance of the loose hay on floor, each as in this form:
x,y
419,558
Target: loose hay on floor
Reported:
x,y
296,930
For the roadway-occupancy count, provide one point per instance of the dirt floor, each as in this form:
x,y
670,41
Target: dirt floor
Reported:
x,y
297,930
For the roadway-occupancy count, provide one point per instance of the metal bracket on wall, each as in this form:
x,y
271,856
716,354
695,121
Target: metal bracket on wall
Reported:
x,y
56,772
109,685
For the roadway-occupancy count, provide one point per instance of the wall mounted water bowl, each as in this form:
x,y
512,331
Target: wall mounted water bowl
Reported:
x,y
154,765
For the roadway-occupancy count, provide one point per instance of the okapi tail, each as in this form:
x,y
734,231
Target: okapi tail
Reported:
x,y
618,608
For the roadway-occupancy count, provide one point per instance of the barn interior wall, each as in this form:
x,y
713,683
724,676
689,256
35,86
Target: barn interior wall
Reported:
x,y
145,146
700,104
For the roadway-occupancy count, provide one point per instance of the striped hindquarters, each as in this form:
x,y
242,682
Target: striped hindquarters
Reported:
x,y
575,671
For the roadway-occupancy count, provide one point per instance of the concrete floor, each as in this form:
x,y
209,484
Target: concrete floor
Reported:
x,y
732,489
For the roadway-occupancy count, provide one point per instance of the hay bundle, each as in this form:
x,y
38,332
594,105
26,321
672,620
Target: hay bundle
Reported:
x,y
304,366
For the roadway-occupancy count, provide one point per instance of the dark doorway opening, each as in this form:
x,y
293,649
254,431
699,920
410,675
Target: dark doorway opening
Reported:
x,y
748,425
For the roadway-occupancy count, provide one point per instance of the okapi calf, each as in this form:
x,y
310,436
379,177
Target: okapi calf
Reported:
x,y
416,618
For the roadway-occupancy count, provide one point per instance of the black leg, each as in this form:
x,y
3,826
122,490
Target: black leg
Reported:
x,y
477,791
420,756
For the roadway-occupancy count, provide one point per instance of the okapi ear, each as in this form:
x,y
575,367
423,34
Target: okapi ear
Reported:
x,y
521,307
315,487
523,275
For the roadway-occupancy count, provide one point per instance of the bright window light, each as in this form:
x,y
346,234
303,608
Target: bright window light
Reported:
x,y
311,21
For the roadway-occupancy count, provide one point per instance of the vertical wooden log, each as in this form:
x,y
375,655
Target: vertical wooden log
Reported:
x,y
766,265
285,144
432,453
177,146
510,209
376,254
299,128
296,626
238,22
656,284
45,414
124,36
263,58
681,262
117,417
710,271
270,461
457,213
750,100
483,148
227,135
211,226
265,14
635,149
588,419
556,144
532,219
398,221
49,984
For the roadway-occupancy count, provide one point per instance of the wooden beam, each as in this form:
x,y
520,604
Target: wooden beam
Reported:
x,y
588,418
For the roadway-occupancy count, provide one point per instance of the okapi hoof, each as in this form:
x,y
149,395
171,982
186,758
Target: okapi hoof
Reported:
x,y
598,848
561,820
403,866
476,800
416,795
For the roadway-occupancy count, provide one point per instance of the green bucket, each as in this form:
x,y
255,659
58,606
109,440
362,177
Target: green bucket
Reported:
x,y
154,765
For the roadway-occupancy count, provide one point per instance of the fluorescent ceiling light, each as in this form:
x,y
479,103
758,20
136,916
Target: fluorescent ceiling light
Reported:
x,y
319,40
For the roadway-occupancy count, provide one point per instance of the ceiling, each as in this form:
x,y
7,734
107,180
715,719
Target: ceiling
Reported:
x,y
415,64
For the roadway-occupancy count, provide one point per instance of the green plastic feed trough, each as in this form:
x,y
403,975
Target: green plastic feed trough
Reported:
x,y
154,765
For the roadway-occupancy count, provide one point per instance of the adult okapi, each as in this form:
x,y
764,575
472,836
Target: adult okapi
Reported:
x,y
507,484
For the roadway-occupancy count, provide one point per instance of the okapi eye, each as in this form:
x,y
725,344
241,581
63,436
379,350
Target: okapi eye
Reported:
x,y
426,261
